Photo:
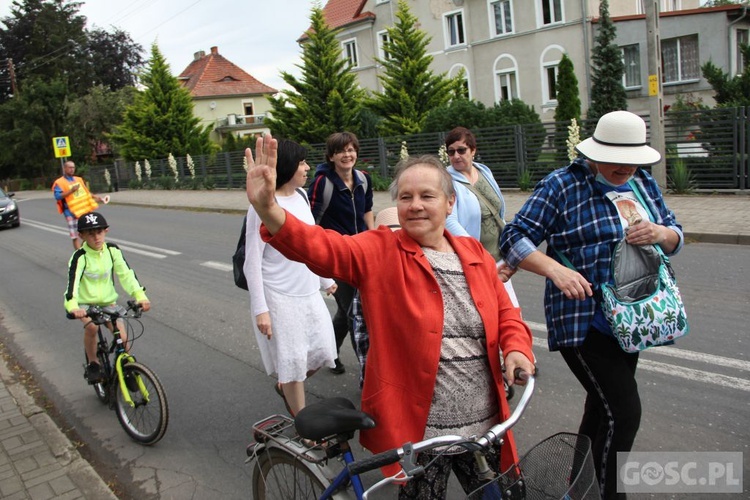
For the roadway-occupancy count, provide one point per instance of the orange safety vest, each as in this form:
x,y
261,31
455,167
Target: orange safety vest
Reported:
x,y
79,202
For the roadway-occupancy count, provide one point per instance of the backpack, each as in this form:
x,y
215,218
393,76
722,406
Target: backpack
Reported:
x,y
328,193
238,259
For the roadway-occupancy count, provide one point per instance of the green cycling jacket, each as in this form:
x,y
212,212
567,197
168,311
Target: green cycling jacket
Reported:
x,y
91,277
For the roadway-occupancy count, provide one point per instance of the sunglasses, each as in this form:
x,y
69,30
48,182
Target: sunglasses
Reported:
x,y
460,151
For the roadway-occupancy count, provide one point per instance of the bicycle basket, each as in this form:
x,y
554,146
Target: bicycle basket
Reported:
x,y
559,467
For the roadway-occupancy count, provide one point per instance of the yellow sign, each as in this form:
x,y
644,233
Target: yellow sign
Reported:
x,y
61,146
653,86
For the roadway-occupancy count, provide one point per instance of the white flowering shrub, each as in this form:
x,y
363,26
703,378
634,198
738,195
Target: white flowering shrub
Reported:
x,y
173,167
190,166
443,155
574,138
404,154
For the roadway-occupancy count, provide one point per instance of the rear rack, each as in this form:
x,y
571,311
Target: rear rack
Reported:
x,y
280,429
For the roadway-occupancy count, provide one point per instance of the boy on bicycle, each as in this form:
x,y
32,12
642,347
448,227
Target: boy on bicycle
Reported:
x,y
91,282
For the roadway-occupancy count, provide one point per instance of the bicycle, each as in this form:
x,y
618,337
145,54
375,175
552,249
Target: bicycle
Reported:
x,y
294,458
130,388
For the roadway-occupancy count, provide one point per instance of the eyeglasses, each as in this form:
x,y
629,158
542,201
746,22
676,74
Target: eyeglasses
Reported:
x,y
349,151
460,151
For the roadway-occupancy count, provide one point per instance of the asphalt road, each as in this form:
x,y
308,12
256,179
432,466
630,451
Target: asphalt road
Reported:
x,y
695,396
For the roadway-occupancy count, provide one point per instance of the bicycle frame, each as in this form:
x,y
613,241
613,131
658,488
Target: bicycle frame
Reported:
x,y
121,357
279,432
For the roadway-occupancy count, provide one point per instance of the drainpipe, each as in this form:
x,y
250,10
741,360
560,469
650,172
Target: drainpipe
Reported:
x,y
729,33
587,55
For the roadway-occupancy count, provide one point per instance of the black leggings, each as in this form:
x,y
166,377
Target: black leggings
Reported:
x,y
342,321
612,412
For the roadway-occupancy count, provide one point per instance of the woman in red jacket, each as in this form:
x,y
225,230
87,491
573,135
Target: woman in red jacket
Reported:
x,y
438,315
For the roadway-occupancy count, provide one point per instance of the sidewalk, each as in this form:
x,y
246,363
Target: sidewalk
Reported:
x,y
37,461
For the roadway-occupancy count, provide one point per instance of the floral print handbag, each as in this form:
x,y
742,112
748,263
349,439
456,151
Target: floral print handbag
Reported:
x,y
647,310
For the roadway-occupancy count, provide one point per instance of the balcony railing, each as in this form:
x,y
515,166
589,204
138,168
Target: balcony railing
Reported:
x,y
240,121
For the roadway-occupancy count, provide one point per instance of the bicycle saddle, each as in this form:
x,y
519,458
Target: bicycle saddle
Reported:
x,y
331,416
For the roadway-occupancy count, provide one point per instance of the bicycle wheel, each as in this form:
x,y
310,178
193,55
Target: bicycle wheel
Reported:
x,y
279,475
146,422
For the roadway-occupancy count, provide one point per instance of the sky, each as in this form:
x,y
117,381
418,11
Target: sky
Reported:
x,y
259,36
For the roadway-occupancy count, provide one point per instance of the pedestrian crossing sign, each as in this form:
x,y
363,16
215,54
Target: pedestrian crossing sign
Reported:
x,y
61,146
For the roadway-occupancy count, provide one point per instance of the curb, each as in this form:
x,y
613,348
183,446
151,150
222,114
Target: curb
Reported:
x,y
65,474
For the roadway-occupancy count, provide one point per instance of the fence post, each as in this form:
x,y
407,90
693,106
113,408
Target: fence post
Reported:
x,y
383,157
520,146
742,149
228,165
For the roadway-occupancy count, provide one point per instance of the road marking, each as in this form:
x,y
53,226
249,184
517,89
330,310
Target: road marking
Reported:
x,y
675,370
696,375
128,246
221,266
673,352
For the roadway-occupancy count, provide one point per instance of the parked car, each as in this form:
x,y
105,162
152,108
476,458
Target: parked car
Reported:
x,y
9,216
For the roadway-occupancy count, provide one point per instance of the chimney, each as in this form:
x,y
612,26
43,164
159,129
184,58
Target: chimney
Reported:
x,y
198,55
214,51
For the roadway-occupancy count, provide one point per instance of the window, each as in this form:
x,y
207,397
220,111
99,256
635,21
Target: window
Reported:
x,y
631,57
551,11
249,111
506,82
383,40
501,13
454,29
350,52
742,39
506,78
679,59
550,77
670,5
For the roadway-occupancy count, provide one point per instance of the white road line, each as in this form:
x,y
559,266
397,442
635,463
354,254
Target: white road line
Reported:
x,y
131,244
678,371
695,375
221,266
128,246
673,352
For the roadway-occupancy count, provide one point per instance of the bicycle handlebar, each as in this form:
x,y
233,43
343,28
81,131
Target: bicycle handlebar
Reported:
x,y
100,315
492,435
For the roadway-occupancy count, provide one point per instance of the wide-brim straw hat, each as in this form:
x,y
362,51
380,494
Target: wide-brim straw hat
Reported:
x,y
620,137
388,217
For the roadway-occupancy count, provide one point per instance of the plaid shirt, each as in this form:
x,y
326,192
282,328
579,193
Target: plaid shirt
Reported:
x,y
360,337
570,211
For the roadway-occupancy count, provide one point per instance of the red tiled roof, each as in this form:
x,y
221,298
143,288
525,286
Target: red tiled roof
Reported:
x,y
338,13
212,75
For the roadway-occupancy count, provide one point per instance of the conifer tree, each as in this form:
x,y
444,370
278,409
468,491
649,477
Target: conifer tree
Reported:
x,y
607,91
568,104
326,98
730,92
161,119
410,89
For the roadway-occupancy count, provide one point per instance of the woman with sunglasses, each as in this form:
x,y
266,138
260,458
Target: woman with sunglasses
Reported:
x,y
480,209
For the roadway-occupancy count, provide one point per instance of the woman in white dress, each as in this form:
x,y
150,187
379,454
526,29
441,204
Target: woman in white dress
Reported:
x,y
292,324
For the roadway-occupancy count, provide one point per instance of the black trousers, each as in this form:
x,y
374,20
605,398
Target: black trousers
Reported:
x,y
612,412
342,322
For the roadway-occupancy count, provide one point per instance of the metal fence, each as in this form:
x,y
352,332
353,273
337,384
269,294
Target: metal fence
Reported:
x,y
713,145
